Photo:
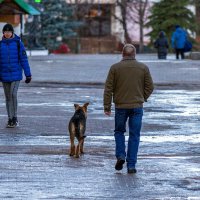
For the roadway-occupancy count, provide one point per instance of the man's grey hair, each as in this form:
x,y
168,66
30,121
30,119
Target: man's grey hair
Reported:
x,y
129,49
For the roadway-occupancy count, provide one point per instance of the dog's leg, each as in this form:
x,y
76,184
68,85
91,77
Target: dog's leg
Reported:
x,y
72,148
77,154
82,143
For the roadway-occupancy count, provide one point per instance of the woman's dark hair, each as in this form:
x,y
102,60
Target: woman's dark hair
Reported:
x,y
8,27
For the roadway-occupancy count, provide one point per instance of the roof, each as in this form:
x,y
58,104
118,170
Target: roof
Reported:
x,y
92,1
17,6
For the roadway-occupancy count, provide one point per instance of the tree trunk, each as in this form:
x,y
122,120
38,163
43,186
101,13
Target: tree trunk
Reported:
x,y
123,7
126,34
142,12
141,45
198,19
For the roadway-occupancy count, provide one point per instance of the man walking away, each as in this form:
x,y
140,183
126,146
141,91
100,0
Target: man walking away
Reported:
x,y
129,83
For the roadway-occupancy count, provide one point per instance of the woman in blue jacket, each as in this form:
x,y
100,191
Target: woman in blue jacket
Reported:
x,y
178,41
13,60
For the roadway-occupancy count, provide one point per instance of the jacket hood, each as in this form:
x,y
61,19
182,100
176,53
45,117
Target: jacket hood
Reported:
x,y
162,34
179,30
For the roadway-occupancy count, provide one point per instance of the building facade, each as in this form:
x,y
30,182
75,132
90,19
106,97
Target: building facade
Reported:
x,y
102,23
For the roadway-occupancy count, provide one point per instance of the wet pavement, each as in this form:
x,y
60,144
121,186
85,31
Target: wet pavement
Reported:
x,y
34,161
93,69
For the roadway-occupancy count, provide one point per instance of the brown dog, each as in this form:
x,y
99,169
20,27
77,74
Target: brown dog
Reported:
x,y
77,127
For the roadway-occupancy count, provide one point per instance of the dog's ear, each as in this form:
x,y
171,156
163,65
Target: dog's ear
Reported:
x,y
86,105
76,106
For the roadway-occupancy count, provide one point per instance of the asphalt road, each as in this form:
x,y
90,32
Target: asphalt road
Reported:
x,y
34,158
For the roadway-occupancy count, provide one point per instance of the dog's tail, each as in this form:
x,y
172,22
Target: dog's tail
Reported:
x,y
78,133
77,130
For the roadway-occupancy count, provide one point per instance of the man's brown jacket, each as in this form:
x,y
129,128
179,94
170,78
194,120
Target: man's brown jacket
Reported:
x,y
129,83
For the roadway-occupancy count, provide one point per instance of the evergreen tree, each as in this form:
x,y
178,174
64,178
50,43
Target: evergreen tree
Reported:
x,y
56,23
168,13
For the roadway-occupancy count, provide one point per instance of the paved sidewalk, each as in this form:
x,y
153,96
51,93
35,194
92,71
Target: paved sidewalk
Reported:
x,y
34,159
93,69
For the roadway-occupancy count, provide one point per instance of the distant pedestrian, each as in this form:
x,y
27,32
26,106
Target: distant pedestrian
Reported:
x,y
13,59
129,84
161,44
178,40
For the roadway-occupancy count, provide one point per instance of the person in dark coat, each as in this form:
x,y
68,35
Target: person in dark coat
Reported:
x,y
161,44
13,61
178,40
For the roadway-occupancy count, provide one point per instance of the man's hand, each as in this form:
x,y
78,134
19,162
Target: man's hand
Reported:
x,y
107,113
28,79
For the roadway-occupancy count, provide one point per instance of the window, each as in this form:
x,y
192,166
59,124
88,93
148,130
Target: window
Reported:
x,y
97,20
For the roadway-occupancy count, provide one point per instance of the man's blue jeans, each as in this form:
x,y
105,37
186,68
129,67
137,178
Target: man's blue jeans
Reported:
x,y
134,117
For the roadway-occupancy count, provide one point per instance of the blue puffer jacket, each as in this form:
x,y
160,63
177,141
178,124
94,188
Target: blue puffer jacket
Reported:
x,y
13,59
178,38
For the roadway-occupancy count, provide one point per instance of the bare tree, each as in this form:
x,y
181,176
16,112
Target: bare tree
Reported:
x,y
134,11
138,12
122,4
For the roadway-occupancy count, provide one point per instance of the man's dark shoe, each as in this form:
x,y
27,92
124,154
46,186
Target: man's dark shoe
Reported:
x,y
15,121
119,164
132,171
10,124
